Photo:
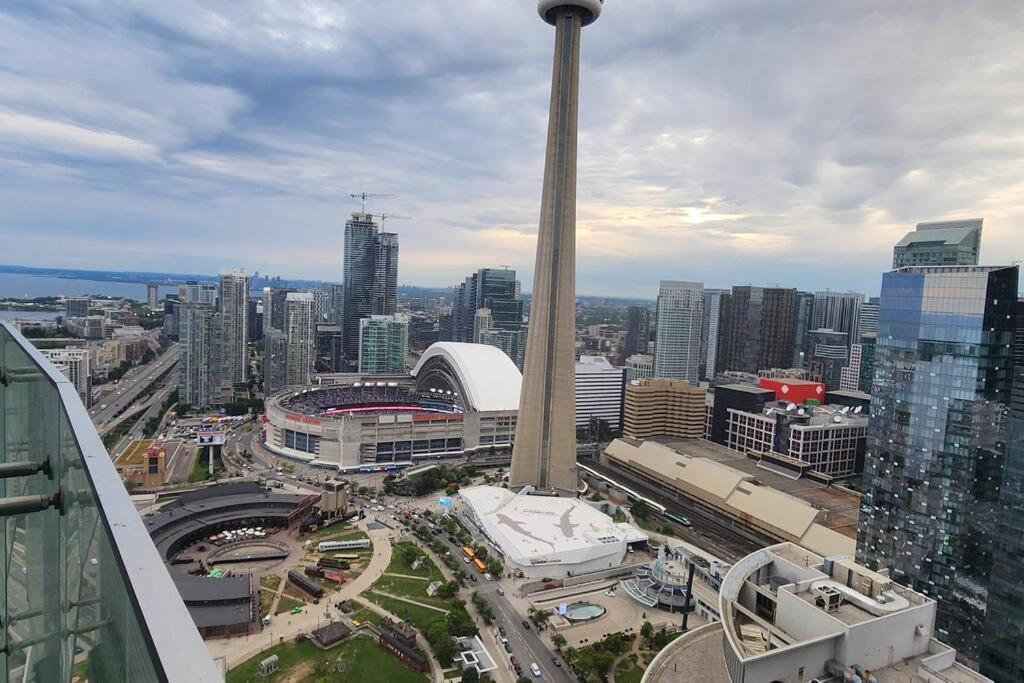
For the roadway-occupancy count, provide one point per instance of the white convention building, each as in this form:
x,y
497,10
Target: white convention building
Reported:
x,y
546,535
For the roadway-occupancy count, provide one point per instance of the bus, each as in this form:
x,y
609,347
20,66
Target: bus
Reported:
x,y
468,552
352,544
479,564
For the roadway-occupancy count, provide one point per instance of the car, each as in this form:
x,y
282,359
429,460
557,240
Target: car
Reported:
x,y
535,669
526,624
473,577
515,662
501,591
466,560
488,577
554,660
502,631
508,648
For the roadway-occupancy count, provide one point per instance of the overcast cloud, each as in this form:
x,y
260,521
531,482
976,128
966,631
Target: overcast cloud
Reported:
x,y
754,142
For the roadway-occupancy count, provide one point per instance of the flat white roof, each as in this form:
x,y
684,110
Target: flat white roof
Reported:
x,y
537,530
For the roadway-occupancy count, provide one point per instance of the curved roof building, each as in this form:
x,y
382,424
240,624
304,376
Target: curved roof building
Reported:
x,y
484,377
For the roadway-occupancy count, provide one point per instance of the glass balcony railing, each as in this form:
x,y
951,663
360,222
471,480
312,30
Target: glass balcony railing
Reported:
x,y
84,592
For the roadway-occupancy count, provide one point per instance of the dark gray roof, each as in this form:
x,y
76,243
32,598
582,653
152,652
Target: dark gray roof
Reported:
x,y
205,589
219,615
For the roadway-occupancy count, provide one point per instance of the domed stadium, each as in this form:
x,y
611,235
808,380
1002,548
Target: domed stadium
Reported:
x,y
459,400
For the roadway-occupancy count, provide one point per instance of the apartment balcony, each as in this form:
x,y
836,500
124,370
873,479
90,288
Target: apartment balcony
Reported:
x,y
84,592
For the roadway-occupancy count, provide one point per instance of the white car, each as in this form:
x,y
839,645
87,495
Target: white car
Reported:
x,y
535,669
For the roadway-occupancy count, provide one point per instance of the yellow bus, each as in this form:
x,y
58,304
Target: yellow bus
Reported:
x,y
481,567
468,552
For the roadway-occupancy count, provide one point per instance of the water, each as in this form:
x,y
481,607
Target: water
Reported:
x,y
21,286
28,315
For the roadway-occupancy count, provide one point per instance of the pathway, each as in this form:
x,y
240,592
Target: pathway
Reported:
x,y
410,601
421,642
285,627
272,610
408,576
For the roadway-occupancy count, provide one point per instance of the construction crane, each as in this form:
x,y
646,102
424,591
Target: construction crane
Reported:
x,y
384,217
367,195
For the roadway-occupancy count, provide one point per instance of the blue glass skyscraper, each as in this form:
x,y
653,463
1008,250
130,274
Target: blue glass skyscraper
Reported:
x,y
937,438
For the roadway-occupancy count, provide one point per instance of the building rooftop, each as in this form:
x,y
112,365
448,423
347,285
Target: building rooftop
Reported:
x,y
490,379
947,232
533,529
798,509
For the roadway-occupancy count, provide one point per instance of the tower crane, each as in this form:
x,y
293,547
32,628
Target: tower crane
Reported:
x,y
367,195
384,217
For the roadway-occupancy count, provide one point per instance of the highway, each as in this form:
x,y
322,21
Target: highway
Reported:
x,y
137,431
134,384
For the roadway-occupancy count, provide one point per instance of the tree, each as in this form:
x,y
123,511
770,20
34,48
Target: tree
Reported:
x,y
559,641
641,510
495,566
441,641
601,662
647,631
470,675
460,623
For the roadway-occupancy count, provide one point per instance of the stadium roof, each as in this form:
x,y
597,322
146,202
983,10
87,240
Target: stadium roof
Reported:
x,y
490,380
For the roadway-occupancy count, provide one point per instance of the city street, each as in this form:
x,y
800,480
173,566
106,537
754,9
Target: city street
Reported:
x,y
135,382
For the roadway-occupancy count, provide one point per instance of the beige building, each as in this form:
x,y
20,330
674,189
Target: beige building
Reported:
x,y
663,407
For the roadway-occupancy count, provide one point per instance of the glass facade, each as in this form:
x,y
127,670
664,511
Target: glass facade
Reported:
x,y
85,592
937,438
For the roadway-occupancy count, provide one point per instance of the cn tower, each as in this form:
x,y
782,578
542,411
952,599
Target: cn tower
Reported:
x,y
544,455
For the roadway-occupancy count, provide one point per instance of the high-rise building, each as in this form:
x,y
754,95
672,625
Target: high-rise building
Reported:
x,y
383,344
760,329
829,354
867,361
385,274
73,364
838,311
482,322
735,397
663,408
192,292
802,321
599,392
197,363
76,306
300,353
544,455
275,339
937,438
639,366
849,377
233,335
1002,656
321,306
153,296
370,280
677,343
711,316
944,243
255,314
494,289
638,331
868,317
511,343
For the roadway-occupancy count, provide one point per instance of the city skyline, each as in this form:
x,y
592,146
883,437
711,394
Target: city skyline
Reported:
x,y
751,180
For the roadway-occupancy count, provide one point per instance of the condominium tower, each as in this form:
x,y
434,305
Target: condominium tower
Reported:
x,y
677,346
370,284
300,352
233,307
383,344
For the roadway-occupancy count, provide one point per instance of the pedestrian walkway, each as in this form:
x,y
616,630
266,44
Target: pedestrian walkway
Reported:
x,y
408,576
377,591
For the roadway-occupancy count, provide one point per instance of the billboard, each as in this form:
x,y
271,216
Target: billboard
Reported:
x,y
210,437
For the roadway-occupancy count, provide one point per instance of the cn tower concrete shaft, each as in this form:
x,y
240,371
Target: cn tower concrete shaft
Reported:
x,y
544,454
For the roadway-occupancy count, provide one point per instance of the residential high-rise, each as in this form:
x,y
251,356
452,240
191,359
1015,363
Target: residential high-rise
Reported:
x,y
867,361
711,315
482,322
838,311
233,342
760,333
494,289
1002,656
849,377
677,343
301,341
275,339
638,331
511,343
370,280
544,455
639,366
828,355
663,408
255,320
599,392
868,321
383,344
385,274
73,364
76,306
943,243
197,370
153,296
937,439
192,292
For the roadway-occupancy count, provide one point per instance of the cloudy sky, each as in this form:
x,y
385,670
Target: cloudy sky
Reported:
x,y
730,142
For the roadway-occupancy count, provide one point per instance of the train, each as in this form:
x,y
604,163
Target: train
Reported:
x,y
327,546
304,584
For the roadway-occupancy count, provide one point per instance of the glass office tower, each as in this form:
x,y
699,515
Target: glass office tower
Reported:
x,y
937,438
84,591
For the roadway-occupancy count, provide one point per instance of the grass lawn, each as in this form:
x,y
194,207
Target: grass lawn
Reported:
x,y
414,589
266,600
286,604
363,615
452,674
336,532
271,581
427,568
627,671
298,663
201,466
414,614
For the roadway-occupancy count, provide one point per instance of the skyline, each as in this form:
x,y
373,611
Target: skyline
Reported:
x,y
781,130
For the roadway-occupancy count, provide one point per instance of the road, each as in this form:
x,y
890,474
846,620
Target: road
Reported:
x,y
137,431
134,384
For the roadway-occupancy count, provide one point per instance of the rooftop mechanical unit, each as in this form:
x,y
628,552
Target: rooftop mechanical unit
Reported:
x,y
828,599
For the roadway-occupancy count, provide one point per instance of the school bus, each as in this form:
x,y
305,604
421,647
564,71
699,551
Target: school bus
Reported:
x,y
468,552
479,564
